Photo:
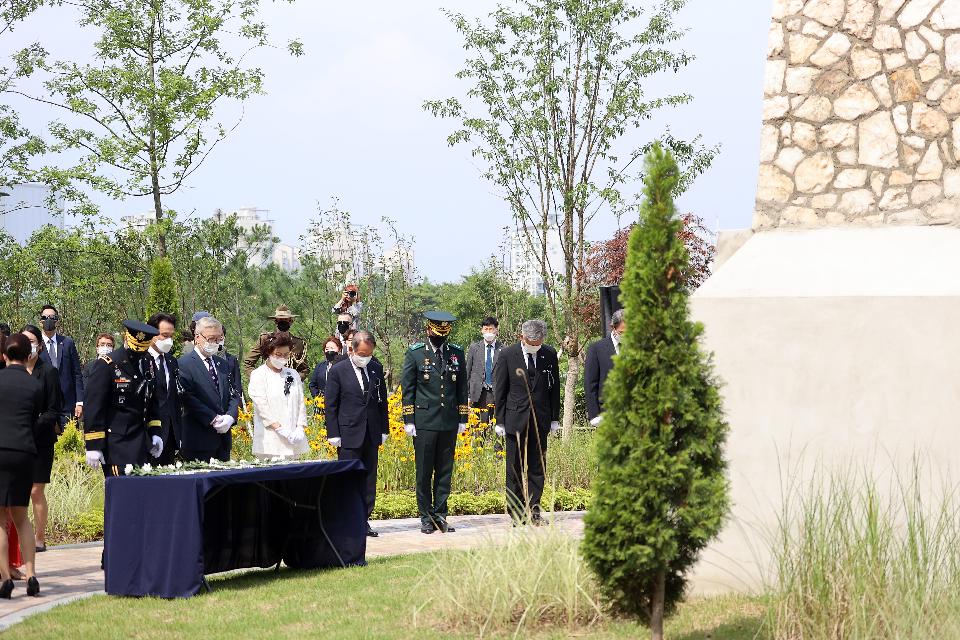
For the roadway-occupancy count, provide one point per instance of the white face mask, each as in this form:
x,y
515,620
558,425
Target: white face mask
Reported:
x,y
104,351
278,362
361,361
210,348
529,348
163,346
33,350
490,336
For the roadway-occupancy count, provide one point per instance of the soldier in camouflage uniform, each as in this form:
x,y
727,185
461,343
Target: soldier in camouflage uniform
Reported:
x,y
434,383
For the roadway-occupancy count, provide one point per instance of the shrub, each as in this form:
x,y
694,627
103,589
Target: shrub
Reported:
x,y
75,491
535,578
70,445
661,493
162,296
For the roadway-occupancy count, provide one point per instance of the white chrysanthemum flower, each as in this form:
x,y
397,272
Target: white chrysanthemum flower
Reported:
x,y
127,470
178,465
147,468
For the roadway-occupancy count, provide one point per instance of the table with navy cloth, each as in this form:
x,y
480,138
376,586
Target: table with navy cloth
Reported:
x,y
163,534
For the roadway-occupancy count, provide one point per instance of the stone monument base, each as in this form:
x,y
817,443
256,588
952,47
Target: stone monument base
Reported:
x,y
835,346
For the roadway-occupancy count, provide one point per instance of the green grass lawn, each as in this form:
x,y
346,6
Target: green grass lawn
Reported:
x,y
378,601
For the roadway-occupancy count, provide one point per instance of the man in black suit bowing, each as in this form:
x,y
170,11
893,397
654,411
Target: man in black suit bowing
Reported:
x,y
355,399
526,392
165,376
598,365
210,402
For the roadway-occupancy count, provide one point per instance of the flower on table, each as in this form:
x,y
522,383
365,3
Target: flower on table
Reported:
x,y
127,470
147,468
178,465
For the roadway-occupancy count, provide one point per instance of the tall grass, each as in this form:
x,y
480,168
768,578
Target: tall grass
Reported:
x,y
75,497
858,559
535,578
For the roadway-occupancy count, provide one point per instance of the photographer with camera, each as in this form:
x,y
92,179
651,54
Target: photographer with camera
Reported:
x,y
349,304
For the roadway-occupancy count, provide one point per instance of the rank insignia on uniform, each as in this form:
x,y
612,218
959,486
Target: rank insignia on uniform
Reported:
x,y
141,336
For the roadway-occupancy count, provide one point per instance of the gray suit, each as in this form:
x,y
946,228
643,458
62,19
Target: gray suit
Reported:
x,y
476,363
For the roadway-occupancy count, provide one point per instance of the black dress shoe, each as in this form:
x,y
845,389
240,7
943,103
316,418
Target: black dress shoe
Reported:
x,y
6,589
428,528
33,586
445,528
41,548
371,533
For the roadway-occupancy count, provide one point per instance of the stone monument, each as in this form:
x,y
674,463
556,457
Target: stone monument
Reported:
x,y
836,325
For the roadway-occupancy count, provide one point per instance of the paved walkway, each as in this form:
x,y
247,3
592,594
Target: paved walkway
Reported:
x,y
71,572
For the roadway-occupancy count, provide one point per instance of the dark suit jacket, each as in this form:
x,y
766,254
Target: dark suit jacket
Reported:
x,y
22,402
233,364
596,368
510,392
71,374
476,367
170,408
202,402
351,413
318,379
48,422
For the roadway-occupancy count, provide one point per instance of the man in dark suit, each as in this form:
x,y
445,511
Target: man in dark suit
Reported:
x,y
332,354
481,357
526,392
210,404
356,411
233,366
61,352
598,365
166,373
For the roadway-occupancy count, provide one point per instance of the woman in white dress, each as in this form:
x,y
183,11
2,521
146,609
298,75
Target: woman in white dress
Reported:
x,y
279,412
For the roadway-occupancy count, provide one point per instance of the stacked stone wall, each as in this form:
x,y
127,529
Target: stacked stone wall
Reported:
x,y
861,114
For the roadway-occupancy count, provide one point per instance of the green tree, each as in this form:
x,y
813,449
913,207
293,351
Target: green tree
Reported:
x,y
661,493
149,109
162,297
562,84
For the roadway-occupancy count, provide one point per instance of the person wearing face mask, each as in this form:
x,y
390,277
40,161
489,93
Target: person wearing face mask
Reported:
x,y
210,403
481,356
279,410
166,373
349,304
332,354
526,393
344,329
355,402
298,355
435,412
122,421
45,436
60,352
105,345
598,364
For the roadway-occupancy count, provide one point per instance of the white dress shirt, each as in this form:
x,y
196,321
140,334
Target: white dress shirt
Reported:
x,y
156,355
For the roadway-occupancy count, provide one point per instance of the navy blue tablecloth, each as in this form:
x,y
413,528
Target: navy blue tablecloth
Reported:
x,y
162,534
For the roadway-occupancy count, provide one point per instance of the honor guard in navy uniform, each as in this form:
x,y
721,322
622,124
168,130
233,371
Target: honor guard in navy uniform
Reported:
x,y
434,383
121,409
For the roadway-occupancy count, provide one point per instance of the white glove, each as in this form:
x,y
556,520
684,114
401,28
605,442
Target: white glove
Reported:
x,y
383,439
222,424
157,447
297,436
334,442
596,420
95,459
554,426
500,431
461,428
410,429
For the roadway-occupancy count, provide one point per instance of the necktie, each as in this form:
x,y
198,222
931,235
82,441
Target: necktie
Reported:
x,y
213,373
161,377
52,350
531,367
364,380
489,368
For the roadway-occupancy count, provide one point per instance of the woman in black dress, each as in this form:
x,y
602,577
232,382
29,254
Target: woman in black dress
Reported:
x,y
46,431
23,402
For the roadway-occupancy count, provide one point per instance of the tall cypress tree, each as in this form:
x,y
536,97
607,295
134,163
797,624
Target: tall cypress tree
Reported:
x,y
661,493
162,295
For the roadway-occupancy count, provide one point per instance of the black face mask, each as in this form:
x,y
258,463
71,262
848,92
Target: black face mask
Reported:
x,y
283,325
343,327
331,355
49,324
436,341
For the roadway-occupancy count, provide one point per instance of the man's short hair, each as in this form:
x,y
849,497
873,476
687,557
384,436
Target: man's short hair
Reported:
x,y
208,322
157,318
108,336
534,330
616,319
48,306
490,321
361,337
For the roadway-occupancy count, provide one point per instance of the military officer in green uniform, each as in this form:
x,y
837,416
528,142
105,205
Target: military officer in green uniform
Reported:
x,y
122,413
298,355
434,383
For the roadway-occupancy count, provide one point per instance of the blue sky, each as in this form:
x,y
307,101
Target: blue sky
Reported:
x,y
345,121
